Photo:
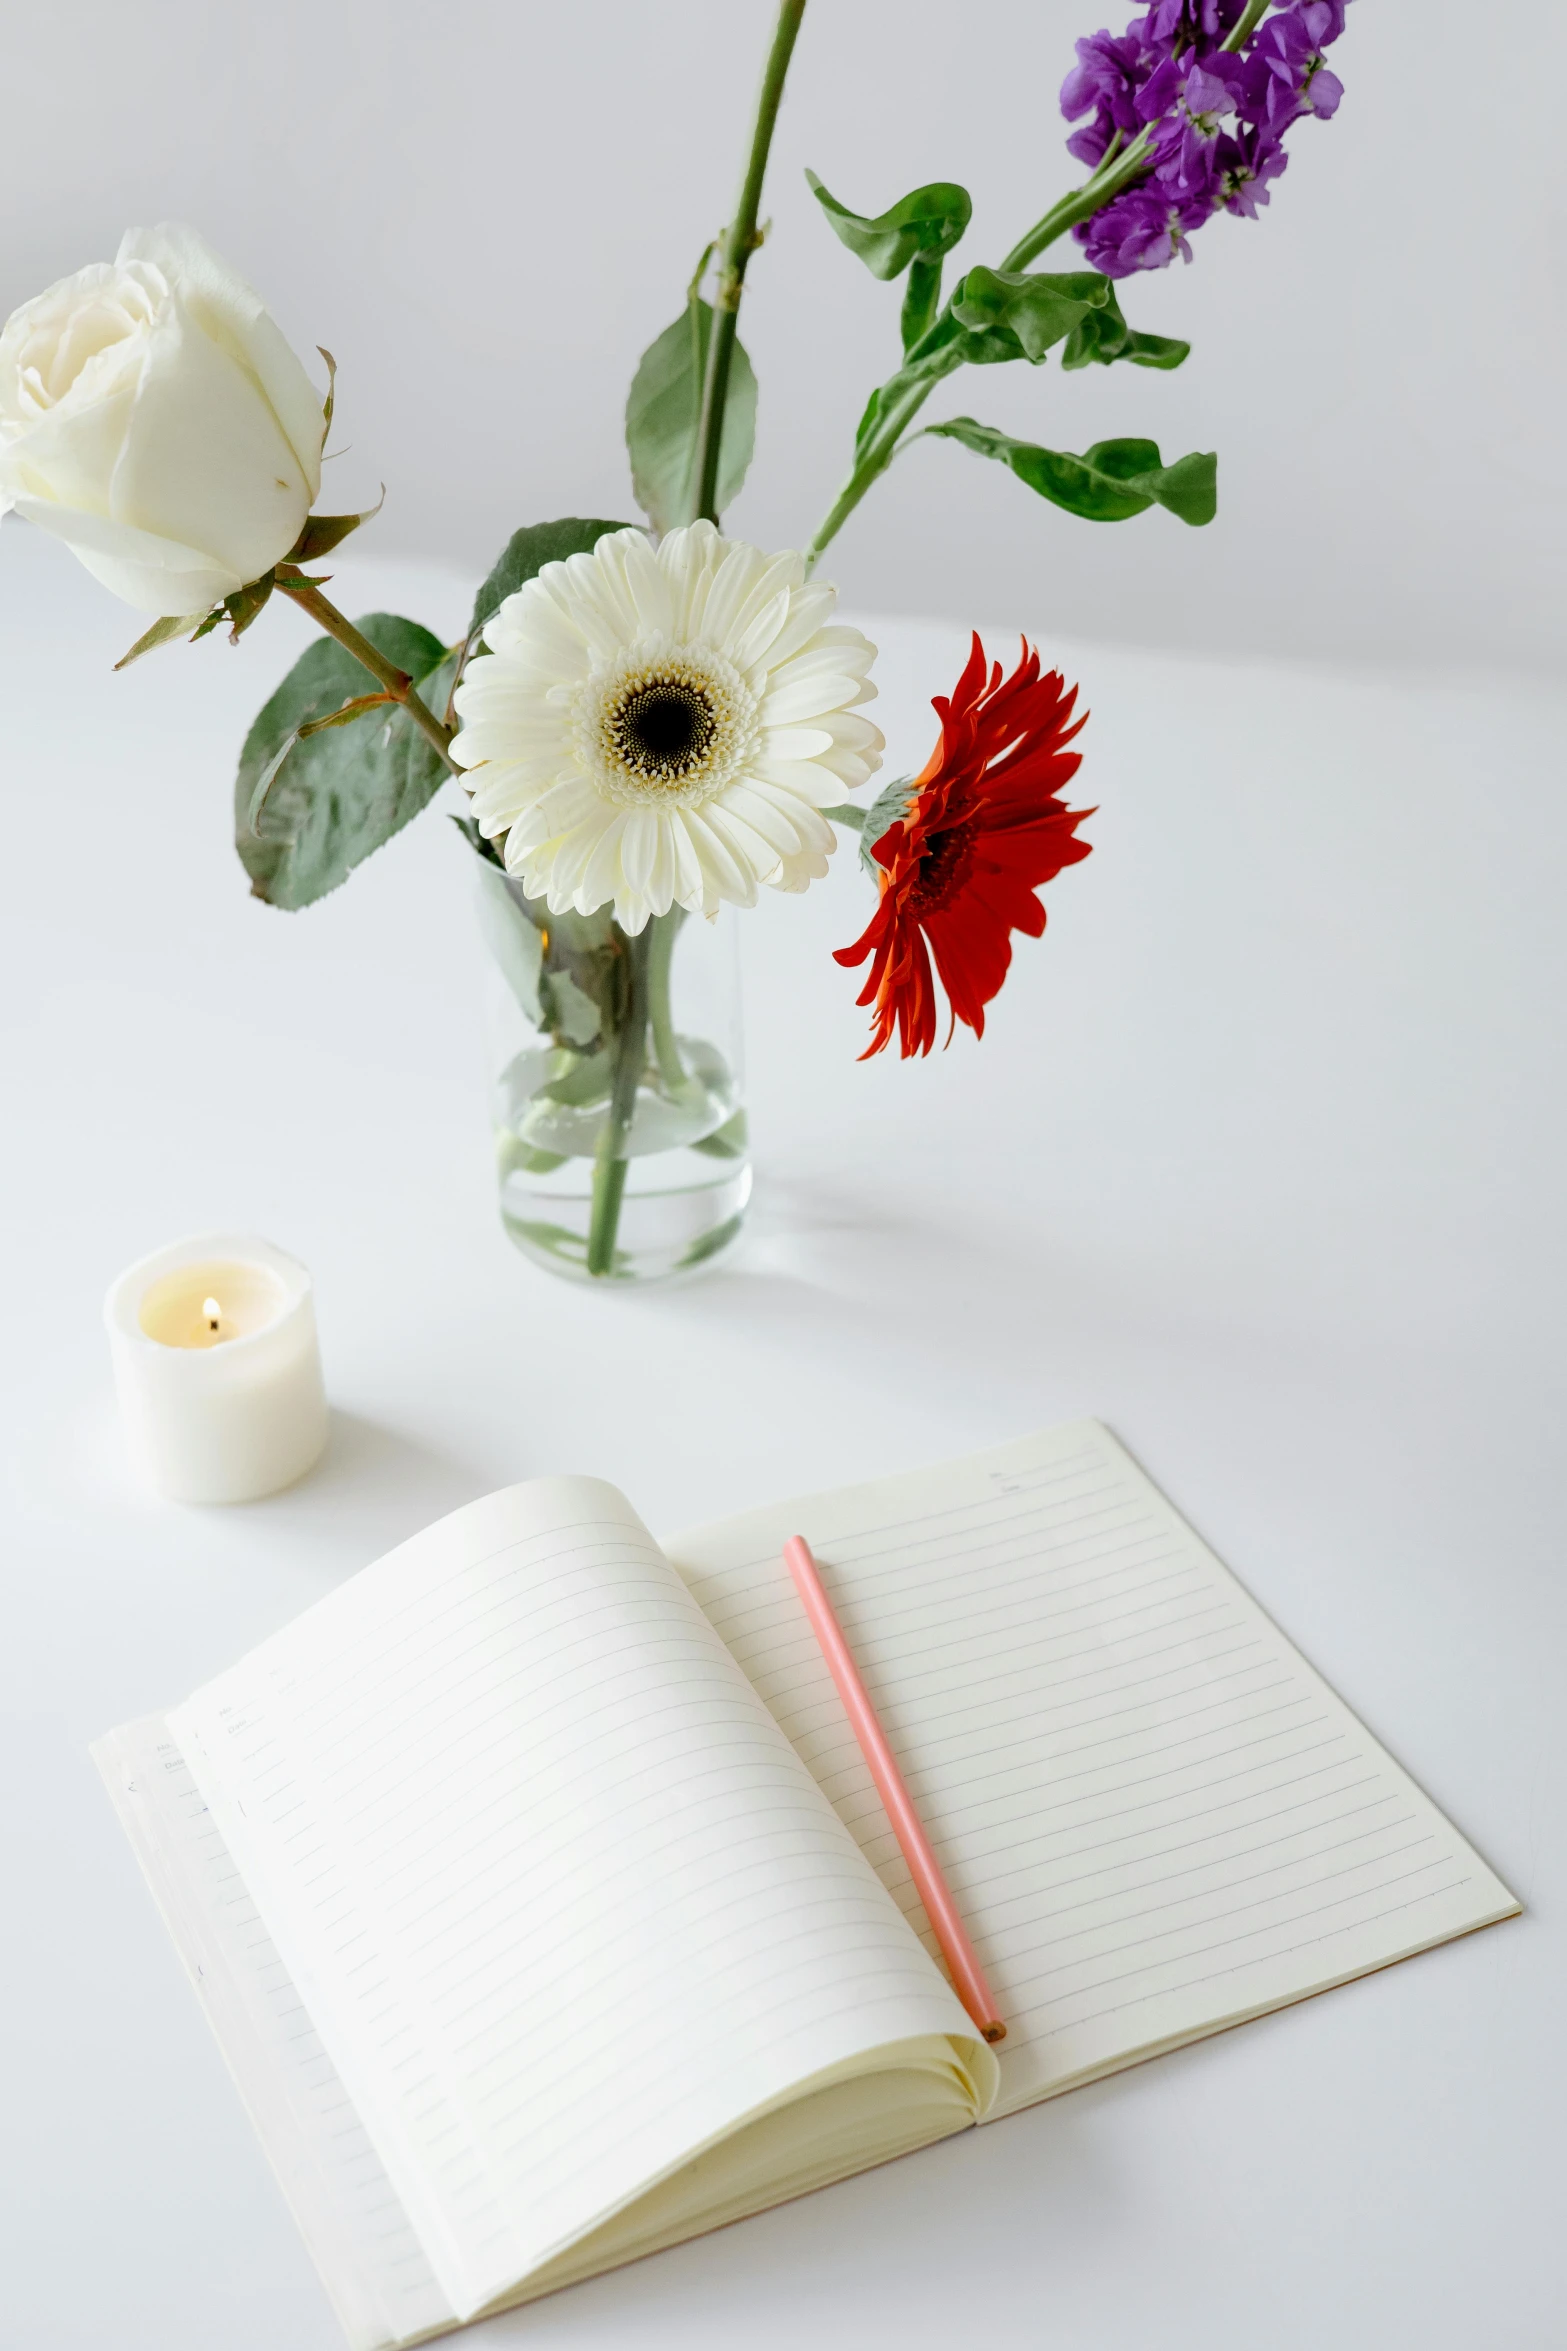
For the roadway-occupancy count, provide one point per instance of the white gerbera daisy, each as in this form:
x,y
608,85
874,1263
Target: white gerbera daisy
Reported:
x,y
664,728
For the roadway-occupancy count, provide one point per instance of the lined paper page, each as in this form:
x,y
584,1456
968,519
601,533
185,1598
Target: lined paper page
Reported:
x,y
563,1903
349,2214
1157,1819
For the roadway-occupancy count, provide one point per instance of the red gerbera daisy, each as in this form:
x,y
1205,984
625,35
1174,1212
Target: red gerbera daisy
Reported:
x,y
984,829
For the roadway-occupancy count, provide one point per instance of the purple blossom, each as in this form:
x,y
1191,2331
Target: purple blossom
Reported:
x,y
1106,77
1216,119
1144,229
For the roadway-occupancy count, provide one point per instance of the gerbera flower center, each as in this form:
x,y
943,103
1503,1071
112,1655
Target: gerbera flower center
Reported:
x,y
664,728
666,724
942,870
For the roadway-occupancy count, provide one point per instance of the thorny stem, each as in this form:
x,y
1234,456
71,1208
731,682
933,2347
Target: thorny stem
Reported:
x,y
396,682
736,246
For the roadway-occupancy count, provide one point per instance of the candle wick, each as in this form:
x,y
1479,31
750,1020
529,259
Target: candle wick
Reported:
x,y
213,1312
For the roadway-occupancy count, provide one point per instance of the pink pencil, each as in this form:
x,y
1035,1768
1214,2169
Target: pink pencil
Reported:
x,y
956,1949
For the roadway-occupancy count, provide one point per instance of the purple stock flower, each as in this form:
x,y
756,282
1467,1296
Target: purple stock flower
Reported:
x,y
1215,119
1143,229
1106,78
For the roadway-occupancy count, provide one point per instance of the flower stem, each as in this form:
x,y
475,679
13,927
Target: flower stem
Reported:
x,y
396,682
938,352
1239,34
665,929
1082,203
738,243
610,1163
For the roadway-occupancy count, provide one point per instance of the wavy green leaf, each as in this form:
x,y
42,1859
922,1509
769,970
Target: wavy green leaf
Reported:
x,y
1040,308
922,225
1109,483
1103,337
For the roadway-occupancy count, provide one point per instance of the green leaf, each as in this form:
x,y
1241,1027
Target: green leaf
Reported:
x,y
1108,483
890,806
515,942
663,408
1103,336
306,813
323,532
346,717
484,850
569,1008
248,603
921,301
925,371
1040,308
527,552
921,226
512,1156
163,632
730,1141
586,1080
330,402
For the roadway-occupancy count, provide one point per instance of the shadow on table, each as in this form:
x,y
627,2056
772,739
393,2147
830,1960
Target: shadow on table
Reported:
x,y
841,1266
391,1484
868,2259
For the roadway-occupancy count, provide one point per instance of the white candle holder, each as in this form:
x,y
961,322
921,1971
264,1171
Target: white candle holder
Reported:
x,y
218,1368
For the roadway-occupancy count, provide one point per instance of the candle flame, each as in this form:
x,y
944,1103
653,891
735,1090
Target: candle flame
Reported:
x,y
213,1312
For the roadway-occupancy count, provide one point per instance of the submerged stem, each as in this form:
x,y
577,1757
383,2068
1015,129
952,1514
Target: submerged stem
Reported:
x,y
610,1163
665,929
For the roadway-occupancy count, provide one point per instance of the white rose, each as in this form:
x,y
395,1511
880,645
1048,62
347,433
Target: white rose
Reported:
x,y
153,417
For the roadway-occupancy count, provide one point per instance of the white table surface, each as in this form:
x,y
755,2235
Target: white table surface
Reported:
x,y
1261,1160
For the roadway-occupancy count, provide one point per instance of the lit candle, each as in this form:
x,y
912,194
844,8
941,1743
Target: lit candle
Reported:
x,y
218,1369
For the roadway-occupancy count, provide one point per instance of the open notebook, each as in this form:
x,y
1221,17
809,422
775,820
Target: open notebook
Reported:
x,y
546,1914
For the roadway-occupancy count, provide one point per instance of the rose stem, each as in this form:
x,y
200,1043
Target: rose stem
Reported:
x,y
738,243
386,673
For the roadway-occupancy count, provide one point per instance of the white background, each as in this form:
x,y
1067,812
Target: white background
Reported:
x,y
1261,1159
487,212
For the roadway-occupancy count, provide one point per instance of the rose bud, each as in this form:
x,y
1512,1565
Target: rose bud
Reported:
x,y
153,417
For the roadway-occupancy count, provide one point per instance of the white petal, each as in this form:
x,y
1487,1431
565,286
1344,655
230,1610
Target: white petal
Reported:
x,y
763,816
750,848
812,608
810,780
724,876
603,879
806,698
727,590
797,742
647,585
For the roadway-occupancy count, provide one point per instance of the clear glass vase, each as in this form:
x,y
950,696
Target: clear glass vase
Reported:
x,y
620,1129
